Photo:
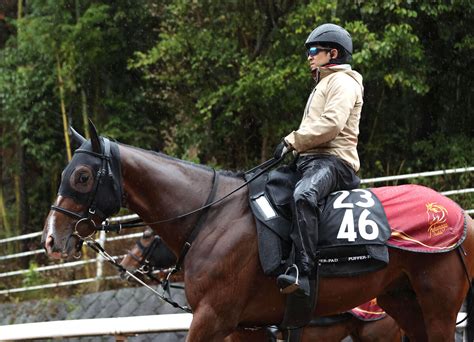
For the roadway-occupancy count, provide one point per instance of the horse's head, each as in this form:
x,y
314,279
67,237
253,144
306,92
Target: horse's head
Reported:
x,y
90,191
148,253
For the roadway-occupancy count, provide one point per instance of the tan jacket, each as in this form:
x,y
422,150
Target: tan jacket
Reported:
x,y
330,123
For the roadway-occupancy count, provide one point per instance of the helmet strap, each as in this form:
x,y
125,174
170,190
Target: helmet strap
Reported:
x,y
335,61
316,75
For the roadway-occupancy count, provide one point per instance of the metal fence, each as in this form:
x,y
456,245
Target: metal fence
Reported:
x,y
104,240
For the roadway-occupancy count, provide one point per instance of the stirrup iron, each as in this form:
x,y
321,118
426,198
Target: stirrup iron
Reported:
x,y
292,286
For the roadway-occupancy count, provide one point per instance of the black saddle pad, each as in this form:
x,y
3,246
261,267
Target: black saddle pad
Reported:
x,y
352,234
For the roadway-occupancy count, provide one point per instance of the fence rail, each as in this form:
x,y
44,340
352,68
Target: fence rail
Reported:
x,y
418,175
119,326
96,327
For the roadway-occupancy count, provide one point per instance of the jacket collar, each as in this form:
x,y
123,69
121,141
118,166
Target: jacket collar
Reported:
x,y
329,69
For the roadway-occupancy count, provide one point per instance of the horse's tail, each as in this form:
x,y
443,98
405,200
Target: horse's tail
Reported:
x,y
466,249
468,246
470,314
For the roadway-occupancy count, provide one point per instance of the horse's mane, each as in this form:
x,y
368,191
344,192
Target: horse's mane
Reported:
x,y
234,174
225,173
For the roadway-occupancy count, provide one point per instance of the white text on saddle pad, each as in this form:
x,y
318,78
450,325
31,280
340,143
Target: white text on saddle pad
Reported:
x,y
347,227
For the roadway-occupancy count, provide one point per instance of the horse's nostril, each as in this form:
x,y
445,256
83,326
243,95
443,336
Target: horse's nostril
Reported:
x,y
49,243
51,250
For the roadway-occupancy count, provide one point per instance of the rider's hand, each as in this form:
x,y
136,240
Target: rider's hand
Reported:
x,y
282,149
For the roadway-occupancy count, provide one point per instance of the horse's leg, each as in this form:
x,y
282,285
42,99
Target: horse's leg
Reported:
x,y
240,335
404,308
441,286
382,330
219,295
209,326
333,332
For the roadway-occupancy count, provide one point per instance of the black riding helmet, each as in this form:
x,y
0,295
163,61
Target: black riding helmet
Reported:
x,y
334,36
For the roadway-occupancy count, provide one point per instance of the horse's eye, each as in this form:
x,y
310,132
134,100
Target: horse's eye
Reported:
x,y
83,178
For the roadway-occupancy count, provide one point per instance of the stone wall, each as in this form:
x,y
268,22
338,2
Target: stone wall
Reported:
x,y
135,301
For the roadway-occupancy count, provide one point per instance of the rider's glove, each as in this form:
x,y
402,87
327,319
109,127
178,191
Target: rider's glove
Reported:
x,y
282,149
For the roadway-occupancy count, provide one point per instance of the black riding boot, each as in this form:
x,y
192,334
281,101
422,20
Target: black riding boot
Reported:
x,y
305,239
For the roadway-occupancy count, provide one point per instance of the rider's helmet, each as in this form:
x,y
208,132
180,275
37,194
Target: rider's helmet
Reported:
x,y
333,36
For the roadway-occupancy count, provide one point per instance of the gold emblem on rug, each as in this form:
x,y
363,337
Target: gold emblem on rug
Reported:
x,y
437,217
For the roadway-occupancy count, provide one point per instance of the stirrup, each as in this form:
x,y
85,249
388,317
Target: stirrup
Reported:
x,y
287,282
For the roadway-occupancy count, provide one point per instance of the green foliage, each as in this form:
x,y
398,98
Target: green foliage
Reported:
x,y
33,277
91,41
222,82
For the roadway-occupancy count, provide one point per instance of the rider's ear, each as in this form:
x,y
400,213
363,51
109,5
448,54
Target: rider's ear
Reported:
x,y
95,140
79,139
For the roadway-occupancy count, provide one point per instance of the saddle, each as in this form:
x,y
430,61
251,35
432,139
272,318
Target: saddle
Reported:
x,y
352,233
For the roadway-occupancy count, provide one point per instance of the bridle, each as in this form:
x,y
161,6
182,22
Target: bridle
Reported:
x,y
145,266
86,218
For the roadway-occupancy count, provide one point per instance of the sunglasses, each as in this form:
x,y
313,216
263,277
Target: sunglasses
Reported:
x,y
313,51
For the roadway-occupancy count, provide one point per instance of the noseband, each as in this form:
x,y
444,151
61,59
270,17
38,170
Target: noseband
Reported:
x,y
85,218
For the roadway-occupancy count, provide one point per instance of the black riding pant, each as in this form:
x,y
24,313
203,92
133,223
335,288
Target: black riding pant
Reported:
x,y
321,175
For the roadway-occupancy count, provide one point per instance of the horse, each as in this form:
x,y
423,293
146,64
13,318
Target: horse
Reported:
x,y
224,282
150,255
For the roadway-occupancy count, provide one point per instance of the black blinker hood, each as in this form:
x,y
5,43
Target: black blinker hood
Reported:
x,y
105,197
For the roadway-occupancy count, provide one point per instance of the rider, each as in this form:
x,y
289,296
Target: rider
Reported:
x,y
326,142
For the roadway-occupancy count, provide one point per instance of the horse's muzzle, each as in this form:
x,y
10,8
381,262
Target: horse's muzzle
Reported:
x,y
51,250
71,250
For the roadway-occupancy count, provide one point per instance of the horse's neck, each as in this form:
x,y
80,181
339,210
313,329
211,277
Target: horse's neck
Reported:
x,y
158,188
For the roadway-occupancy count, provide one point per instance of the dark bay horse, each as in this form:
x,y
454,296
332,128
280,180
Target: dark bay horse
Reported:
x,y
149,254
224,281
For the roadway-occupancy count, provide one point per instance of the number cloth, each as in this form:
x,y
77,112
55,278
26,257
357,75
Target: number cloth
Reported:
x,y
354,217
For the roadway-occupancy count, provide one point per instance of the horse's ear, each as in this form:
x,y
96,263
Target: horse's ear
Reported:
x,y
79,139
95,140
148,233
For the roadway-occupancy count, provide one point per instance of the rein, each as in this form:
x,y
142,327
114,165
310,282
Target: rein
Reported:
x,y
204,210
95,246
117,227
